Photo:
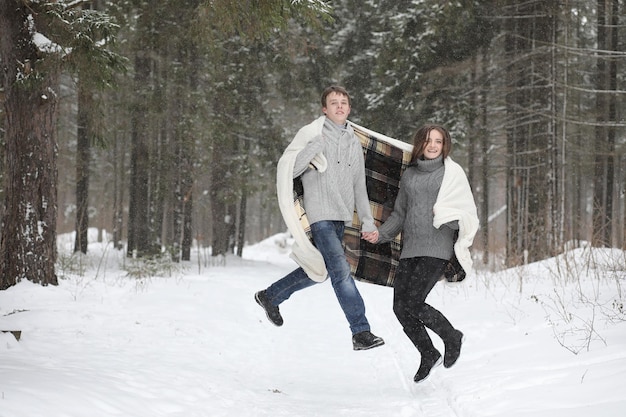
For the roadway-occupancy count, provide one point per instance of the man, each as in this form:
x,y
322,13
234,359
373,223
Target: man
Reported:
x,y
329,158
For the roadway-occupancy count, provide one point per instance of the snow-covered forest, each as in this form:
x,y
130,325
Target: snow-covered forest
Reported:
x,y
165,119
139,142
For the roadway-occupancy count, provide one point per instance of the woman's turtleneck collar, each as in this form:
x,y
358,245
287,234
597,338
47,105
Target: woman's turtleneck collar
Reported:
x,y
429,165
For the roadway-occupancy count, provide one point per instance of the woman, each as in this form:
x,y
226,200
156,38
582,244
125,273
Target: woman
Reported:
x,y
434,202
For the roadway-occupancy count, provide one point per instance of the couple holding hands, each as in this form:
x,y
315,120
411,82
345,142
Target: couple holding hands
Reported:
x,y
434,210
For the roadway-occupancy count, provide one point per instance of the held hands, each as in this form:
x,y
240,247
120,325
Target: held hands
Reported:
x,y
371,237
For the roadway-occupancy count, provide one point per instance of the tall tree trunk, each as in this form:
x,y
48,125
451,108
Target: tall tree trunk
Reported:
x,y
175,218
189,150
241,235
83,156
223,209
514,200
612,117
159,173
119,176
178,115
240,231
603,178
472,122
554,168
484,174
187,222
186,200
28,242
220,215
182,154
138,227
567,195
219,237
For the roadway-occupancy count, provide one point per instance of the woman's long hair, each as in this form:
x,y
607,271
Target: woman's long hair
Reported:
x,y
420,139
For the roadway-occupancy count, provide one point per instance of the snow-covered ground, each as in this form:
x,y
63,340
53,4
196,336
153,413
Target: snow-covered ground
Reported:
x,y
546,340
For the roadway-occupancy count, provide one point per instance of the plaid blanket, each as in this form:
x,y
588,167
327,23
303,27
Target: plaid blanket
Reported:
x,y
385,161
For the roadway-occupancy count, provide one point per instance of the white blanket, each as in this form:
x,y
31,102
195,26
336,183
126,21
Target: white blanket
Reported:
x,y
455,201
303,251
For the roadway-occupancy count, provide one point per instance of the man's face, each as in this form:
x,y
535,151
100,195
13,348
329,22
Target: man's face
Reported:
x,y
337,108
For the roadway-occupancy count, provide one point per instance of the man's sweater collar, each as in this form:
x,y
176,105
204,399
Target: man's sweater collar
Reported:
x,y
334,130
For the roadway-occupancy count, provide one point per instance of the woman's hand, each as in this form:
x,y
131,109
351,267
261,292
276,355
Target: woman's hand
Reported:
x,y
371,237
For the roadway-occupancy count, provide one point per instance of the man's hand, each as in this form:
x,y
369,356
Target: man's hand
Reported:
x,y
371,237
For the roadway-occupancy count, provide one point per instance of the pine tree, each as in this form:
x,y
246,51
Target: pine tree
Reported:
x,y
39,40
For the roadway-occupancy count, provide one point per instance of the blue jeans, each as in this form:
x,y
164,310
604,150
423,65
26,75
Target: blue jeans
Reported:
x,y
327,236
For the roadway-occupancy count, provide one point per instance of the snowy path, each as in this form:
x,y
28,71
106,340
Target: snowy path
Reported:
x,y
197,345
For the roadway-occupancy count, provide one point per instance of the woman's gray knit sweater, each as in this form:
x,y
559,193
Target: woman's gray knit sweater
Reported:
x,y
332,194
413,213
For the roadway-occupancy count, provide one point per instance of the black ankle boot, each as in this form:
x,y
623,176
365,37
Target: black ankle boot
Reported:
x,y
427,363
271,311
453,349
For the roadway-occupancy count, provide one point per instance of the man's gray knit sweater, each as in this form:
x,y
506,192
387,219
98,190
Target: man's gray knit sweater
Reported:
x,y
413,213
332,194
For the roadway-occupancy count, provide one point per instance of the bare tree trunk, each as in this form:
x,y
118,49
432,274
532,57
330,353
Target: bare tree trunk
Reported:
x,y
83,151
612,116
567,196
160,170
603,178
219,234
241,231
187,222
219,240
472,120
138,227
484,174
178,115
188,157
28,242
513,182
554,168
119,170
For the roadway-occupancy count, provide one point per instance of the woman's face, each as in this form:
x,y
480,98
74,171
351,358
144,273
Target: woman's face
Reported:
x,y
433,145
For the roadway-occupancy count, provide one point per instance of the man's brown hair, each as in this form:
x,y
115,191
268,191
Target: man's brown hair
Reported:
x,y
335,89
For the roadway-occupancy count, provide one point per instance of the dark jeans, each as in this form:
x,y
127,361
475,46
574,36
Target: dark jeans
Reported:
x,y
328,237
414,280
